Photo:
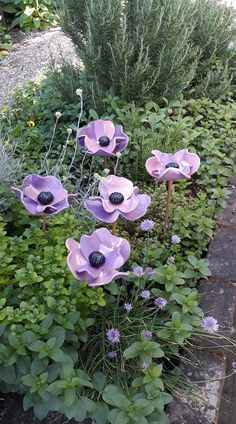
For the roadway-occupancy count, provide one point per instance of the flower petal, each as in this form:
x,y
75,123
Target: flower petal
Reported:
x,y
112,184
173,174
103,128
143,202
17,191
106,277
95,206
48,183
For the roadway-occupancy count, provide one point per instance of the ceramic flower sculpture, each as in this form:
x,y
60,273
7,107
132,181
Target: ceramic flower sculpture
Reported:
x,y
167,167
97,257
172,167
102,138
118,197
43,195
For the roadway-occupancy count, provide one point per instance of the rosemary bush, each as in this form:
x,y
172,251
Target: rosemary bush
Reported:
x,y
150,49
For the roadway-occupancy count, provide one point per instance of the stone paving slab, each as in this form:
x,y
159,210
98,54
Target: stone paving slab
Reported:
x,y
222,254
228,215
205,377
219,300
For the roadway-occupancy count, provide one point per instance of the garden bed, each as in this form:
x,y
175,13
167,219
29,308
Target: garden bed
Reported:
x,y
41,301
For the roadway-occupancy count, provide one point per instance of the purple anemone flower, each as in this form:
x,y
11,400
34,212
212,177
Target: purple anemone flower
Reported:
x,y
43,195
118,197
113,335
97,257
102,138
168,167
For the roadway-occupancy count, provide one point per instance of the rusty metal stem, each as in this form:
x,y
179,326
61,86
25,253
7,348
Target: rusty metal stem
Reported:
x,y
168,202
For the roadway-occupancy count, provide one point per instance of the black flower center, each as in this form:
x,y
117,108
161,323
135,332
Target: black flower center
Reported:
x,y
104,141
116,198
45,197
172,165
97,259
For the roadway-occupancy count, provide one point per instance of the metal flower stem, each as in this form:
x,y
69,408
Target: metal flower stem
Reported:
x,y
114,227
105,162
44,226
168,202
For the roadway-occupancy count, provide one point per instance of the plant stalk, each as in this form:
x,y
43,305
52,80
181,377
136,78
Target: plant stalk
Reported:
x,y
168,202
44,226
114,228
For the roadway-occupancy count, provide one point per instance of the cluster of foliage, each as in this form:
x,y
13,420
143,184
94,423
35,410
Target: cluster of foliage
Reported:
x,y
29,15
5,40
146,50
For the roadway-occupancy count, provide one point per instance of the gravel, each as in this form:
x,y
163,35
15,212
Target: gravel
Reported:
x,y
31,57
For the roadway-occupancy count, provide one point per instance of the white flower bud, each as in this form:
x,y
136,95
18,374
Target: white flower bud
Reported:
x,y
69,131
118,155
58,115
79,92
106,171
97,176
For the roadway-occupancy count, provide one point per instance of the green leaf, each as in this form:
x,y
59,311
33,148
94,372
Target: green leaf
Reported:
x,y
57,355
40,410
38,366
99,381
7,374
29,11
69,396
93,114
132,351
114,396
9,9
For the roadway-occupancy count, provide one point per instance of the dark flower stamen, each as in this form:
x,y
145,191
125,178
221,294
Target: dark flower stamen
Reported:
x,y
172,165
96,259
104,141
45,197
116,198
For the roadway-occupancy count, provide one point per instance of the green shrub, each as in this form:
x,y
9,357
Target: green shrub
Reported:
x,y
147,50
30,15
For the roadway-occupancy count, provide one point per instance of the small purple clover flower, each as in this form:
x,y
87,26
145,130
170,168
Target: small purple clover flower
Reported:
x,y
175,239
128,307
148,334
113,335
138,271
170,260
150,271
147,225
160,302
145,294
112,354
210,324
144,366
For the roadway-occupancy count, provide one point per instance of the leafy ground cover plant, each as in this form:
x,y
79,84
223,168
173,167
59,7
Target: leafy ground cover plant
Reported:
x,y
109,353
30,15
